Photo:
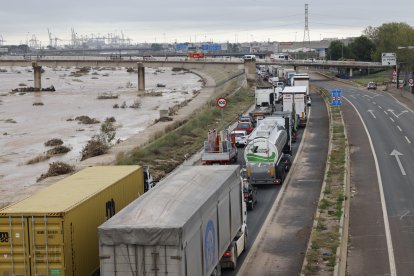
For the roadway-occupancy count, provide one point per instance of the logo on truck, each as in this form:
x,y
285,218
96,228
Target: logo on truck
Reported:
x,y
209,246
260,150
4,237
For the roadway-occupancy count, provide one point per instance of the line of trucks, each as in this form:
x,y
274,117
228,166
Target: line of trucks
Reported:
x,y
100,221
277,114
193,222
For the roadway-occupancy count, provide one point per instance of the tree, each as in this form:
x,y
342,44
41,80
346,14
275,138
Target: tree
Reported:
x,y
362,48
338,50
388,37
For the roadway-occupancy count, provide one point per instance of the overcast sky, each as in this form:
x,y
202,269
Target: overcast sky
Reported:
x,y
185,20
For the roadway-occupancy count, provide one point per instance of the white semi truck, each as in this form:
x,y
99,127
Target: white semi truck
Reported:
x,y
302,79
294,100
192,223
266,155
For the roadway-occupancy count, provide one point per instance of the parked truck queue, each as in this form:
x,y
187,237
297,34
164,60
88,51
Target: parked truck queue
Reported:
x,y
111,220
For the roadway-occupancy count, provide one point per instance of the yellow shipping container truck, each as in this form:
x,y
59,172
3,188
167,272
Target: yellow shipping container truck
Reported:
x,y
54,232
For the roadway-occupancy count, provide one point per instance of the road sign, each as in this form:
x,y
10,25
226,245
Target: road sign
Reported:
x,y
336,97
221,102
389,59
410,82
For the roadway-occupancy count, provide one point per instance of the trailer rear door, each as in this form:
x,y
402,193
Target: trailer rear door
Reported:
x,y
31,246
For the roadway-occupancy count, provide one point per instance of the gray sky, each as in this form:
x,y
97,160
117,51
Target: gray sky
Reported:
x,y
184,20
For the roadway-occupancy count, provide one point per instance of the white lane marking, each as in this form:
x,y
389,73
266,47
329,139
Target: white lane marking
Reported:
x,y
404,105
402,112
385,112
403,215
408,140
353,96
374,102
372,113
392,119
397,155
390,248
399,128
380,106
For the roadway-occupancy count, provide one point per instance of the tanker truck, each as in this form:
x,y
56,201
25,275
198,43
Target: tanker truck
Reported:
x,y
265,157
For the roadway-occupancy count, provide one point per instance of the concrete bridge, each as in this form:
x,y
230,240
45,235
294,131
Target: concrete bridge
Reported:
x,y
249,66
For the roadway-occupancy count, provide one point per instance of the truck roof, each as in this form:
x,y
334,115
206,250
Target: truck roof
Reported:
x,y
169,213
295,89
71,191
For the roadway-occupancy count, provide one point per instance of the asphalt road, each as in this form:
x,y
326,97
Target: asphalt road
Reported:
x,y
279,248
390,126
266,195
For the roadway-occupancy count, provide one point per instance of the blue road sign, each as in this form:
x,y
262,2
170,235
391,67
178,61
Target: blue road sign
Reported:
x,y
336,97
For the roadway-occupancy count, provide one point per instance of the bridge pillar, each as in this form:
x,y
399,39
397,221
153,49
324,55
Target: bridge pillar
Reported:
x,y
250,70
350,72
37,76
141,77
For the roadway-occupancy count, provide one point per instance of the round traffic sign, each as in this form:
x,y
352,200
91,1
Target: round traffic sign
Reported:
x,y
410,81
221,102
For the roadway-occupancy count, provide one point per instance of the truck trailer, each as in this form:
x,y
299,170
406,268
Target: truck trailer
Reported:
x,y
192,223
54,232
265,157
302,79
294,100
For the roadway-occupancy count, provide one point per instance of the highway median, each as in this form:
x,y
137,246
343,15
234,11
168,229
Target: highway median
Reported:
x,y
325,253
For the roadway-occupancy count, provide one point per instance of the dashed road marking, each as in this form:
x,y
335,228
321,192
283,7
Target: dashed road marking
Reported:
x,y
403,215
390,247
380,106
385,112
392,119
408,140
399,128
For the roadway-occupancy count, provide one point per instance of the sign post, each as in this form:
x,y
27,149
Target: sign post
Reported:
x,y
221,103
336,98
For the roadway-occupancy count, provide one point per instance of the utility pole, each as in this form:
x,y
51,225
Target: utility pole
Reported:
x,y
306,37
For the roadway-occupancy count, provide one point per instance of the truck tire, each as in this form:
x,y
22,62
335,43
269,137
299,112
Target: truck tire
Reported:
x,y
280,172
286,162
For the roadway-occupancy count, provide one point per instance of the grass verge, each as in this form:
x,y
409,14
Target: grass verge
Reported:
x,y
166,151
321,255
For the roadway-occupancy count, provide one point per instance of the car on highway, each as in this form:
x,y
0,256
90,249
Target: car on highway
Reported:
x,y
247,126
247,119
372,85
240,137
249,194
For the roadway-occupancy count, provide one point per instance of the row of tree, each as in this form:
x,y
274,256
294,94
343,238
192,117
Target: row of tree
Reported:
x,y
387,38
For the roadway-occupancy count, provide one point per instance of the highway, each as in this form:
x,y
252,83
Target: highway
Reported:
x,y
278,248
385,245
266,196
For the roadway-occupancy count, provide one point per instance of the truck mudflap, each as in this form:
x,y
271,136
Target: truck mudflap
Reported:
x,y
236,248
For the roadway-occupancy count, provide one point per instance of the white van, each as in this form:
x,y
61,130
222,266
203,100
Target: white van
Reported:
x,y
249,57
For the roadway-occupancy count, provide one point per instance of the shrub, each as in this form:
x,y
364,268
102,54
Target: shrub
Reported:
x,y
57,168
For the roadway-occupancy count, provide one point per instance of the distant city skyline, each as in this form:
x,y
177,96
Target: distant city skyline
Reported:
x,y
184,21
